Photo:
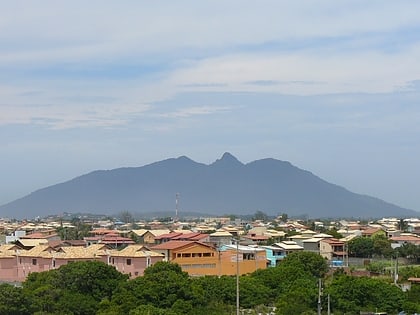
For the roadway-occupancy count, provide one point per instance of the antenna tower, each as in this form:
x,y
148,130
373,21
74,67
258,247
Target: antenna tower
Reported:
x,y
176,206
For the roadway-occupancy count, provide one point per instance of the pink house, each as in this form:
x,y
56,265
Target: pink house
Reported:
x,y
8,264
37,259
133,259
16,264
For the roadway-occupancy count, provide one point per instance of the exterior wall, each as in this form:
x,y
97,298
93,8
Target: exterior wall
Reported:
x,y
221,240
311,246
274,257
27,265
222,263
148,238
197,260
326,251
8,269
133,266
229,266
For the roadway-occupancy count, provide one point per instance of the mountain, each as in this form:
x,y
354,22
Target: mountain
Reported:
x,y
225,186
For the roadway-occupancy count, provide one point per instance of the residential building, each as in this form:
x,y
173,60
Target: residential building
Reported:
x,y
333,250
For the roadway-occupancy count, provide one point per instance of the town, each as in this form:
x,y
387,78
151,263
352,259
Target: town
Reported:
x,y
207,246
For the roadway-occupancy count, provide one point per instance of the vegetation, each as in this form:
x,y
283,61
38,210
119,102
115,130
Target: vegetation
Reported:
x,y
292,287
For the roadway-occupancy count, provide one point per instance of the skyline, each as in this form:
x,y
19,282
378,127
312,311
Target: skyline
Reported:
x,y
331,87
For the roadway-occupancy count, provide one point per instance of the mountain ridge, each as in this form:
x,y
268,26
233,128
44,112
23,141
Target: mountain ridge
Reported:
x,y
224,186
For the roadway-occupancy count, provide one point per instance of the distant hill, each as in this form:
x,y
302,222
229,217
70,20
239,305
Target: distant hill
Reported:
x,y
225,186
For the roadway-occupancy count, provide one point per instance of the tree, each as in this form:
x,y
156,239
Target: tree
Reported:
x,y
75,288
382,246
361,247
162,285
13,300
93,278
355,294
260,215
126,217
409,251
311,262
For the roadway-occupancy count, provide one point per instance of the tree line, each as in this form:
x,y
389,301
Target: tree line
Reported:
x,y
93,287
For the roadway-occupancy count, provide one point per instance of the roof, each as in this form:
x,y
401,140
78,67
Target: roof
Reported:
x,y
332,241
44,251
32,242
370,231
257,237
406,238
288,245
243,249
170,235
114,239
159,232
193,236
322,235
221,233
74,253
177,244
312,240
135,251
414,279
140,232
8,250
38,236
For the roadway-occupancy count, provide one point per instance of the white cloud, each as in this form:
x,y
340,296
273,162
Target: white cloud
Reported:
x,y
62,117
290,73
194,111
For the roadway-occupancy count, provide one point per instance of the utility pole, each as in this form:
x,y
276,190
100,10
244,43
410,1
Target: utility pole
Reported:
x,y
329,307
319,296
237,276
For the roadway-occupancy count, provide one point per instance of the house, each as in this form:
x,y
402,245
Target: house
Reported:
x,y
249,258
166,237
274,255
200,259
37,259
144,236
133,259
193,236
405,238
221,237
288,247
372,231
112,239
332,249
312,244
8,264
194,257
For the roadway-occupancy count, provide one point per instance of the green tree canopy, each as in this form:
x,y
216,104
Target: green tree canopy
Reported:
x,y
361,247
310,262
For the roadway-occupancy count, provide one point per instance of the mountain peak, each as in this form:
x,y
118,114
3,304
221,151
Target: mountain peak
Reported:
x,y
227,159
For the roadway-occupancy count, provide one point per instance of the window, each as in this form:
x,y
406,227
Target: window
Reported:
x,y
34,261
148,262
128,261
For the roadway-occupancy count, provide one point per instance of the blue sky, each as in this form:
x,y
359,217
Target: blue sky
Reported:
x,y
331,86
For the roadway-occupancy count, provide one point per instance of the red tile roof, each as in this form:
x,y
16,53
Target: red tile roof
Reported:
x,y
168,235
177,244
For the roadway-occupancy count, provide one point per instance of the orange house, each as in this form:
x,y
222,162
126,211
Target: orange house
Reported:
x,y
199,259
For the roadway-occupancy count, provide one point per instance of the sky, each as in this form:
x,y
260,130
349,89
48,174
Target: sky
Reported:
x,y
331,86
